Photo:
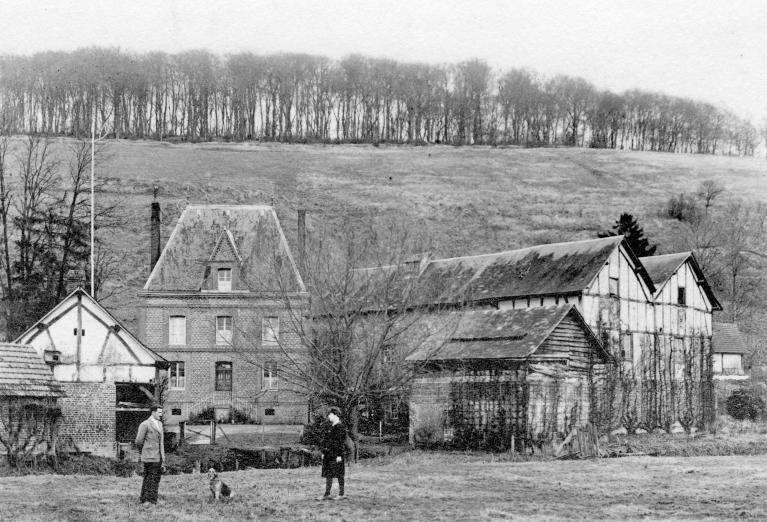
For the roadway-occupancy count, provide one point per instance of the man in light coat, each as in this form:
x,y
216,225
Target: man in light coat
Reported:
x,y
150,441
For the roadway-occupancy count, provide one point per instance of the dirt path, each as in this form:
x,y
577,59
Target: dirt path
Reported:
x,y
422,487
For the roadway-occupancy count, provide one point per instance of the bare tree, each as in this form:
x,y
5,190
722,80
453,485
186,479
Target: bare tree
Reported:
x,y
708,191
361,323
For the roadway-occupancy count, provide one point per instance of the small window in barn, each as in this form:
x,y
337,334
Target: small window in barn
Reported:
x,y
556,300
224,329
269,412
177,375
566,300
270,330
269,377
541,301
681,296
627,348
223,376
175,411
177,330
224,279
614,287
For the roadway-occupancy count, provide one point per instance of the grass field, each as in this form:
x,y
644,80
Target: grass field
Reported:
x,y
421,486
468,199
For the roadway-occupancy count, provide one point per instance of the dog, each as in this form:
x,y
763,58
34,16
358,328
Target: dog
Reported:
x,y
218,489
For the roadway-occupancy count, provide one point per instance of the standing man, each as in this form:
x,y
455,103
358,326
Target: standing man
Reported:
x,y
333,454
151,443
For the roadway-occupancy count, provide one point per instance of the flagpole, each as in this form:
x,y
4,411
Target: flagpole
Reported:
x,y
93,228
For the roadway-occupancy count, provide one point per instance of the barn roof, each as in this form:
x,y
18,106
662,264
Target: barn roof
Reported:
x,y
502,334
661,268
553,269
727,339
24,374
252,233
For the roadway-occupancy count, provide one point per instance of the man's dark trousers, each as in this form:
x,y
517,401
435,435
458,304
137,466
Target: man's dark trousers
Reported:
x,y
152,474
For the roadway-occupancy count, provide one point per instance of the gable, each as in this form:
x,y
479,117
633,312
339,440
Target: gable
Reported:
x,y
89,339
685,272
225,249
624,270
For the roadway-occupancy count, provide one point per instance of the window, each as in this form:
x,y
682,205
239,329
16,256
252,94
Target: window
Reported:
x,y
175,411
269,412
627,348
177,330
270,330
224,329
223,376
681,296
224,279
177,375
614,287
392,411
268,378
717,363
388,355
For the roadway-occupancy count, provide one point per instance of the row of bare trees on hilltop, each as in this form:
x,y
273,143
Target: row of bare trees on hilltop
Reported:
x,y
196,95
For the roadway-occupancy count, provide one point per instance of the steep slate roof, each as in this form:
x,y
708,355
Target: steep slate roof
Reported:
x,y
502,334
553,269
24,374
253,231
727,339
661,268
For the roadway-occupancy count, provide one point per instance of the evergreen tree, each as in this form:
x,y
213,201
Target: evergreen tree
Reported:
x,y
627,226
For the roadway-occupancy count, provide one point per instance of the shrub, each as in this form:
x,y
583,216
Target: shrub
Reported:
x,y
682,208
742,404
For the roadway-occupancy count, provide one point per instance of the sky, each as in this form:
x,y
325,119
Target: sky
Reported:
x,y
700,49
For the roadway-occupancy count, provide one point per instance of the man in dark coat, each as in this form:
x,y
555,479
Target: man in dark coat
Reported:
x,y
150,441
333,454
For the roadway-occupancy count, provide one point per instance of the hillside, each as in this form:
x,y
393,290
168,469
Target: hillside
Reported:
x,y
469,199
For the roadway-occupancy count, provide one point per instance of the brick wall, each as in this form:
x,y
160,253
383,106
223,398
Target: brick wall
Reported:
x,y
88,417
247,354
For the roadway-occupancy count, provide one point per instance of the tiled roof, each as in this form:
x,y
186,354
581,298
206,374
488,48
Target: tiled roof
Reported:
x,y
499,334
253,231
24,374
559,268
661,268
727,339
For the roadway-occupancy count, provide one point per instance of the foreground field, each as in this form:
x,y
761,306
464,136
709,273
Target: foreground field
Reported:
x,y
417,486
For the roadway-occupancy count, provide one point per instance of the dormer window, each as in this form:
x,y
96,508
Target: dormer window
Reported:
x,y
224,279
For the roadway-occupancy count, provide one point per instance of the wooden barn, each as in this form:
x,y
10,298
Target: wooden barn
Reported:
x,y
525,373
107,375
659,341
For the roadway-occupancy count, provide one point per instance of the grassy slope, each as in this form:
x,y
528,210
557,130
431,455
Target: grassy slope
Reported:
x,y
421,487
471,200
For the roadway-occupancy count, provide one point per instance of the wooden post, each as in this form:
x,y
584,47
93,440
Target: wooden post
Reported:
x,y
181,432
212,431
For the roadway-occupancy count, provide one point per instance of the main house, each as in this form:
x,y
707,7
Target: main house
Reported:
x,y
220,305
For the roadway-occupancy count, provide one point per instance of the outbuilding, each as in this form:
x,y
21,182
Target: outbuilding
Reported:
x,y
108,377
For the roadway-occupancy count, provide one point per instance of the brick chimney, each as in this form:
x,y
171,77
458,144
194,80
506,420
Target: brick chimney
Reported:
x,y
154,235
301,240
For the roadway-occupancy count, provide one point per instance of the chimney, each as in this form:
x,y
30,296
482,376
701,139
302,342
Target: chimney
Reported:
x,y
154,235
301,240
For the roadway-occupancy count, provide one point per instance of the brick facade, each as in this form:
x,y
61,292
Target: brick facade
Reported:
x,y
247,353
88,417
